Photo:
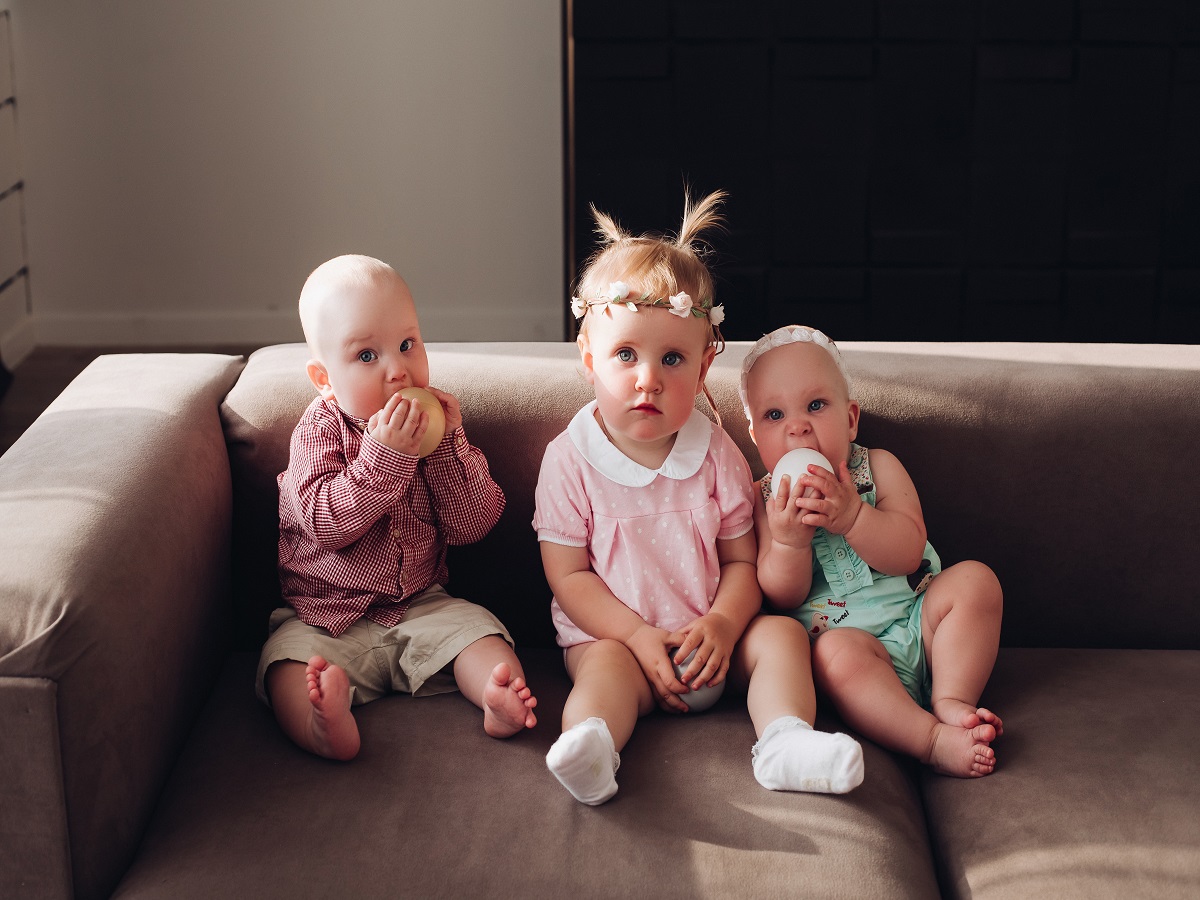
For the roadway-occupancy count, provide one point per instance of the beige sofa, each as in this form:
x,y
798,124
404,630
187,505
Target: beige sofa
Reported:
x,y
137,542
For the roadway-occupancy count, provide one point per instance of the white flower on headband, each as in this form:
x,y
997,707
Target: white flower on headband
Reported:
x,y
681,304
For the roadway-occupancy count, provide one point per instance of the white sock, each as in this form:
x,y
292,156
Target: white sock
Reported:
x,y
791,756
585,761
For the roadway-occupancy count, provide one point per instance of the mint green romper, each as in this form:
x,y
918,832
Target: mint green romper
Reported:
x,y
847,593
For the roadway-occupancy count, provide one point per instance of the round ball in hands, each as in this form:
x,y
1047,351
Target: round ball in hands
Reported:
x,y
437,417
795,463
696,700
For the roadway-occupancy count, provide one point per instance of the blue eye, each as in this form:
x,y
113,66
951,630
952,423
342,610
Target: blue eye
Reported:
x,y
407,344
672,359
367,356
773,415
625,355
817,406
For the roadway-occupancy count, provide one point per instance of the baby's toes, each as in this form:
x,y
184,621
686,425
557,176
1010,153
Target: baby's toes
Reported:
x,y
986,715
984,733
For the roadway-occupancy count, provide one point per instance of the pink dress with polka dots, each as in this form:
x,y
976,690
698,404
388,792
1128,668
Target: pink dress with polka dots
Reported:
x,y
651,533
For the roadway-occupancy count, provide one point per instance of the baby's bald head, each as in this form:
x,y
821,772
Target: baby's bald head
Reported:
x,y
334,284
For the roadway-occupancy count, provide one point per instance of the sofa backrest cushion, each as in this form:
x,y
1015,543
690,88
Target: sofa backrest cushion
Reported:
x,y
1064,467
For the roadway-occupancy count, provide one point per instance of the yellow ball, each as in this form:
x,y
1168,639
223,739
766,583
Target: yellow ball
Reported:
x,y
437,417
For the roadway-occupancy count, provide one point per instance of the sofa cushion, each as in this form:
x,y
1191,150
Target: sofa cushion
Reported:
x,y
433,807
1097,788
1057,465
1079,444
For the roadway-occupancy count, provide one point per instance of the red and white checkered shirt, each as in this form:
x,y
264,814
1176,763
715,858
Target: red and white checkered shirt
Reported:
x,y
363,528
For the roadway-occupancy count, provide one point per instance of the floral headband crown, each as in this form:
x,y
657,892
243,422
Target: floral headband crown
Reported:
x,y
781,337
680,304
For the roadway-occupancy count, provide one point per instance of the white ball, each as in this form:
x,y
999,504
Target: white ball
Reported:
x,y
795,463
697,700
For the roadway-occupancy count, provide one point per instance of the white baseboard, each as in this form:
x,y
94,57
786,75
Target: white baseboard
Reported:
x,y
213,328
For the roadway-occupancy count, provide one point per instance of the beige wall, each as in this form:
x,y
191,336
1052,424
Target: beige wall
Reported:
x,y
187,164
16,325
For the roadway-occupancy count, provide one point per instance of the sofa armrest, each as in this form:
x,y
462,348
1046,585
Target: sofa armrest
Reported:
x,y
114,536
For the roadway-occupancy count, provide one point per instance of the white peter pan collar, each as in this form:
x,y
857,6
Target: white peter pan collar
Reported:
x,y
684,460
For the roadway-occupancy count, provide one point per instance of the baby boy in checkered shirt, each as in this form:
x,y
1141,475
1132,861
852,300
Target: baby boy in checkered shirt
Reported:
x,y
366,513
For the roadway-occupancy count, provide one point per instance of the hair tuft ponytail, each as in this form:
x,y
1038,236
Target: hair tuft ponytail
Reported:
x,y
607,229
699,217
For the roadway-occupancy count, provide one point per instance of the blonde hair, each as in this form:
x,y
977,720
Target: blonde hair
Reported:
x,y
658,265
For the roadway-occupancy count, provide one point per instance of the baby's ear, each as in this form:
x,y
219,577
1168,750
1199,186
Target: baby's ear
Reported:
x,y
706,361
319,377
585,354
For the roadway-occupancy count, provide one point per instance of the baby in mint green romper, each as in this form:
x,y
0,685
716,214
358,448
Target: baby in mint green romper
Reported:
x,y
847,592
901,646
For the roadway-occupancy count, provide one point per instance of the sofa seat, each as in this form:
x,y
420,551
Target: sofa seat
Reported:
x,y
1054,820
247,814
1097,793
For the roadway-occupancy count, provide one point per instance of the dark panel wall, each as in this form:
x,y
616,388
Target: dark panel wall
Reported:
x,y
910,169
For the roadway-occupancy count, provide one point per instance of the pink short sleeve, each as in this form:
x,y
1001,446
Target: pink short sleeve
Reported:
x,y
562,513
734,487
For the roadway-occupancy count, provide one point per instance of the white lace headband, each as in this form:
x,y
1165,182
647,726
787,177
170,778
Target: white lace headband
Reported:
x,y
781,337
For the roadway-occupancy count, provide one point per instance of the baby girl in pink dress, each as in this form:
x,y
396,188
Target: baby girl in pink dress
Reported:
x,y
645,514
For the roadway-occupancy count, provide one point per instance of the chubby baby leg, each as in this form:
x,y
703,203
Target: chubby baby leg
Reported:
x,y
960,624
312,704
772,661
609,694
855,671
489,675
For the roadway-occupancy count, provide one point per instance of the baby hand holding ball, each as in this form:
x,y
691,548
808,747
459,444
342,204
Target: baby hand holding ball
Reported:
x,y
437,417
701,698
795,463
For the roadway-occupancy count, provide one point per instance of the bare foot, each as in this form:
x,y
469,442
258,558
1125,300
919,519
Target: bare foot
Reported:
x,y
986,715
965,715
961,752
507,703
332,727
